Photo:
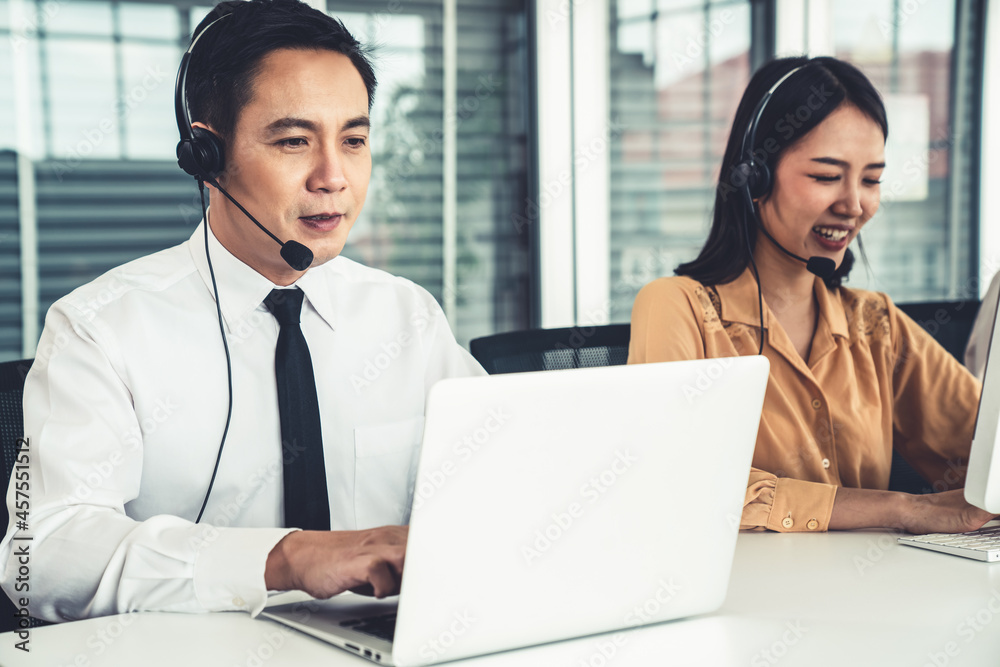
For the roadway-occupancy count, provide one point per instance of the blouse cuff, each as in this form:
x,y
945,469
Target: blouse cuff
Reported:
x,y
801,506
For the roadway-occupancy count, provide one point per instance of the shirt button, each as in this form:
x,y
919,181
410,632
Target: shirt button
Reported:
x,y
238,601
813,524
817,404
826,463
787,522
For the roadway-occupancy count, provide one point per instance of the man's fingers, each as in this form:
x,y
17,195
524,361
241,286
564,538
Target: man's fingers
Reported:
x,y
384,579
364,589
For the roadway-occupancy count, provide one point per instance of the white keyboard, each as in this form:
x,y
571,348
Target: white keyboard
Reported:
x,y
982,544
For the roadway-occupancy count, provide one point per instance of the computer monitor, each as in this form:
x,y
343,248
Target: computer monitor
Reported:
x,y
982,483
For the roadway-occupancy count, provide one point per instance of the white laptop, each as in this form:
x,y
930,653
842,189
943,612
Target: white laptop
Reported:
x,y
560,504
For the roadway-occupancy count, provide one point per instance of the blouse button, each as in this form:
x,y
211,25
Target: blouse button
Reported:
x,y
817,404
826,463
813,524
787,522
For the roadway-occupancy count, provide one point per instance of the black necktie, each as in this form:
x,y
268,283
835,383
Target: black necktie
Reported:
x,y
306,501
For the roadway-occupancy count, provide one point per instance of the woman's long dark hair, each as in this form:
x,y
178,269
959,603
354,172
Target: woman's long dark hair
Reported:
x,y
799,104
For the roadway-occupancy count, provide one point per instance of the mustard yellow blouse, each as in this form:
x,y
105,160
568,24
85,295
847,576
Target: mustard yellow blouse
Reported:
x,y
874,381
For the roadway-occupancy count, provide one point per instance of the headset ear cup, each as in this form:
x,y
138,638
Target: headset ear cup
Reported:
x,y
759,180
212,154
202,156
186,159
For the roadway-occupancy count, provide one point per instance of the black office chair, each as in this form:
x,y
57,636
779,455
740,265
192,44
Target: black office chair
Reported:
x,y
950,324
12,375
552,349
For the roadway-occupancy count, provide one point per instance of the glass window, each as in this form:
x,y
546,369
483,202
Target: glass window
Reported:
x,y
151,21
100,78
81,91
918,247
146,105
78,18
677,72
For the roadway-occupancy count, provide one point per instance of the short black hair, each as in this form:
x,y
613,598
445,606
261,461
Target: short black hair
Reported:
x,y
830,82
227,59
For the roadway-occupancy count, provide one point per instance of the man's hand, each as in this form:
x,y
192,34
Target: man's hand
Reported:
x,y
326,563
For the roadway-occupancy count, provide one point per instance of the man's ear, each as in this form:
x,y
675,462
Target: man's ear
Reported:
x,y
203,126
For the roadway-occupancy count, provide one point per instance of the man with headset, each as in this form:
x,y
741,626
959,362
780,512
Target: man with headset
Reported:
x,y
190,410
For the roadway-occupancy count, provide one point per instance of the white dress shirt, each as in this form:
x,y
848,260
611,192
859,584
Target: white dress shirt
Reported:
x,y
125,406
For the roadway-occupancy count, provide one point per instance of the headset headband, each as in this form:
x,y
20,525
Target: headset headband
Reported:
x,y
750,136
181,110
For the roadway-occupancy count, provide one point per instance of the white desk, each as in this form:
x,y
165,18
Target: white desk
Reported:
x,y
834,599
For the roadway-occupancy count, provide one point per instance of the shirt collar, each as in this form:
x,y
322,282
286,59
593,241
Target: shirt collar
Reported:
x,y
739,304
739,301
242,289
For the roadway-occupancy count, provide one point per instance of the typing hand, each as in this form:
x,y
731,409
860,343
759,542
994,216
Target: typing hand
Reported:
x,y
945,512
326,563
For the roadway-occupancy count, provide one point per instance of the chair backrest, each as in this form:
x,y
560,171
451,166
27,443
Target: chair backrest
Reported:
x,y
12,375
949,322
552,349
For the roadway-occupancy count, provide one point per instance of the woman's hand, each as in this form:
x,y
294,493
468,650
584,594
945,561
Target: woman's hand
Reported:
x,y
945,512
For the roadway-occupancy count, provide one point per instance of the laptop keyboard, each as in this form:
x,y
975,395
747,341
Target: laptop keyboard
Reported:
x,y
383,626
982,544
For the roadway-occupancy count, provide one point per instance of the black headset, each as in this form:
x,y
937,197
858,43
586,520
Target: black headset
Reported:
x,y
756,175
200,152
756,181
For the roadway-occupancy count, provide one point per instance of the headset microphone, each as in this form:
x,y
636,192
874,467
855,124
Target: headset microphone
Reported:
x,y
294,253
824,267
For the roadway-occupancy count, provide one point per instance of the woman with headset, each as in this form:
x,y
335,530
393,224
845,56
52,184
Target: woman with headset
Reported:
x,y
851,376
